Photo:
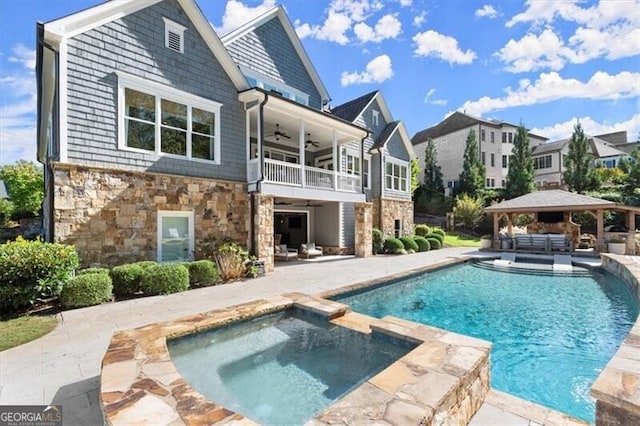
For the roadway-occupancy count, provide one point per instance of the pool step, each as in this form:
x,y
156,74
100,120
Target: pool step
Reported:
x,y
562,262
506,259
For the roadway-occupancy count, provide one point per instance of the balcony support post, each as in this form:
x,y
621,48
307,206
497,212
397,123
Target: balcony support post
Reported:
x,y
302,159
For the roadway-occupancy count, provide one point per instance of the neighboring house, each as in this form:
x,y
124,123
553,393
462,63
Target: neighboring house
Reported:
x,y
548,158
157,135
3,190
495,142
387,154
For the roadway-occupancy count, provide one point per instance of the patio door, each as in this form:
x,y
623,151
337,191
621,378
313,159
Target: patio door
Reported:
x,y
291,227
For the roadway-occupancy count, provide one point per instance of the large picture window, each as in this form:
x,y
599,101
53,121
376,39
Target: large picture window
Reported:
x,y
396,177
163,120
543,162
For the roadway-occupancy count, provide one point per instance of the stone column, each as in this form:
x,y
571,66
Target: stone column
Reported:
x,y
263,229
364,227
600,241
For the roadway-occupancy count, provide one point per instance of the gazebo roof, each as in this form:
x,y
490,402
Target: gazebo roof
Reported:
x,y
553,200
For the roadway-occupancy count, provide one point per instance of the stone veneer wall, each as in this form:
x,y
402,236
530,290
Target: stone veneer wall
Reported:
x,y
391,211
263,226
111,216
363,231
568,228
617,388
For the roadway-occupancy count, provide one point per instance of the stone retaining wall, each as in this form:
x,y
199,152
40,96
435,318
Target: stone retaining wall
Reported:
x,y
111,216
393,210
617,388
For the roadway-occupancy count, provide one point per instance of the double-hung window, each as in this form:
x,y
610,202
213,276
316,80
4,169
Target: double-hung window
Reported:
x,y
396,176
175,236
160,119
352,166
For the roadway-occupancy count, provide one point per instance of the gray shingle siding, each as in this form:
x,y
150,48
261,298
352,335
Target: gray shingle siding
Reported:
x,y
348,225
269,51
396,148
135,45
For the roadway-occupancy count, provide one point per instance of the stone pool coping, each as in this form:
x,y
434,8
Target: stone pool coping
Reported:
x,y
445,376
617,388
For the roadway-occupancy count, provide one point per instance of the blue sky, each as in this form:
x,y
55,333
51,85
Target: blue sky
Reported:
x,y
545,63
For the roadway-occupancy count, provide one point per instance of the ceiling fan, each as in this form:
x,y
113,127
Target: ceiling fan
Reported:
x,y
280,134
310,142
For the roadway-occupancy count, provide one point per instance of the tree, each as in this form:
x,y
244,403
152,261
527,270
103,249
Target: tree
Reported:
x,y
432,184
472,178
25,186
468,210
520,175
415,171
632,169
579,172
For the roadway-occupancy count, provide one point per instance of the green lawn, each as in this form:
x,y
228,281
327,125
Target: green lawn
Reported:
x,y
21,330
457,239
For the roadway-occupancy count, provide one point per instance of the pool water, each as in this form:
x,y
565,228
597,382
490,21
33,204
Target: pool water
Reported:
x,y
551,335
281,368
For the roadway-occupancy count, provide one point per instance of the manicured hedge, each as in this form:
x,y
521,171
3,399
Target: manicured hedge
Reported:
x,y
439,231
409,244
437,236
434,243
393,246
421,230
422,242
33,270
126,279
164,279
86,290
93,271
202,273
377,241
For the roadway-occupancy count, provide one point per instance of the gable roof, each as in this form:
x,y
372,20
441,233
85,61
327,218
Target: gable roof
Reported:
x,y
58,30
555,199
603,149
352,109
385,135
279,13
548,147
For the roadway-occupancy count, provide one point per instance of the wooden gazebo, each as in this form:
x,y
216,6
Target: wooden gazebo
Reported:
x,y
552,211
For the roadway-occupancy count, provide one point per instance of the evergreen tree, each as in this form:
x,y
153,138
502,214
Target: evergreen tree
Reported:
x,y
579,172
632,169
472,178
415,171
520,175
432,184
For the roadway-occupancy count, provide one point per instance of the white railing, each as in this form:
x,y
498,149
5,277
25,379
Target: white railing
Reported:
x,y
284,173
253,170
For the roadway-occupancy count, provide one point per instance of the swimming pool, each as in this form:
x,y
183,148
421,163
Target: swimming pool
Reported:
x,y
552,335
282,368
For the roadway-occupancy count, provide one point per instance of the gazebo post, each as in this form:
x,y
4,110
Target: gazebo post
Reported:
x,y
496,225
631,229
510,224
600,230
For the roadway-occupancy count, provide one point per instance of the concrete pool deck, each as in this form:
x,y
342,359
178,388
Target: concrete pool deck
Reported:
x,y
63,367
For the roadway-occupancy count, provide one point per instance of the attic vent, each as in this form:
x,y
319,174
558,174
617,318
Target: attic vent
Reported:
x,y
173,35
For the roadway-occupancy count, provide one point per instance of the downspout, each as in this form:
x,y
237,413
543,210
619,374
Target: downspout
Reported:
x,y
254,236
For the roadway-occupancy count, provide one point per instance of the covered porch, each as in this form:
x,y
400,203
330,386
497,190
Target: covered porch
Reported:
x,y
553,210
290,144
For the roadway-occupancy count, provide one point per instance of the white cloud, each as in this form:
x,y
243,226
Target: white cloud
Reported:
x,y
406,3
564,129
387,27
418,20
551,86
377,71
18,108
487,11
237,14
533,52
428,100
432,43
341,15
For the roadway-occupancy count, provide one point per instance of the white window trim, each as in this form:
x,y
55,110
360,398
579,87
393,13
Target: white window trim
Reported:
x,y
160,91
400,163
356,156
261,79
174,27
175,213
376,117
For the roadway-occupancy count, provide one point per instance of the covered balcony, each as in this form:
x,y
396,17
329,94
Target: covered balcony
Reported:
x,y
300,152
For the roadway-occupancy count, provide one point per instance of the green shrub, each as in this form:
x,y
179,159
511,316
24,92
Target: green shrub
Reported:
x,y
434,243
409,244
33,270
144,264
422,242
164,279
437,236
421,230
233,261
439,231
202,272
93,271
92,288
393,246
126,279
377,241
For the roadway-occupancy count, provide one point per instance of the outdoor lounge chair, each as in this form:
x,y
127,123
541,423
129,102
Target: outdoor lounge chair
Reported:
x,y
282,252
310,250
